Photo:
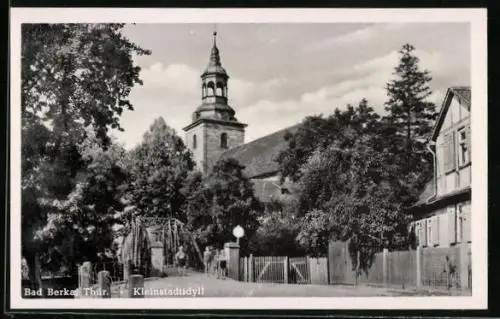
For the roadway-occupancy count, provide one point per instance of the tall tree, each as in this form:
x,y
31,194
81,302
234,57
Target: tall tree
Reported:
x,y
160,166
73,77
223,200
80,227
411,115
342,127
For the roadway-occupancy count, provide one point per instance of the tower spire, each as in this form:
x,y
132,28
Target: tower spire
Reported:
x,y
215,35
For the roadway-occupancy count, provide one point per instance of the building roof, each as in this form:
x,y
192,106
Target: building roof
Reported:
x,y
259,156
462,94
426,194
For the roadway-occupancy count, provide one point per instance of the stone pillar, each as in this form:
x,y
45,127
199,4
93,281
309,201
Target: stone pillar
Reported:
x,y
84,276
126,270
104,284
384,265
285,270
233,260
250,268
418,261
157,259
136,286
245,269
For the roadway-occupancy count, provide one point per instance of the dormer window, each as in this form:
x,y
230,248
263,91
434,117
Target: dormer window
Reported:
x,y
223,140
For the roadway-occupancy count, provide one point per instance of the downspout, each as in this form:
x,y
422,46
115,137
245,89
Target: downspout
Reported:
x,y
434,168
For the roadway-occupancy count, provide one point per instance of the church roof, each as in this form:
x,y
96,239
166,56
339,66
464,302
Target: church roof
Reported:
x,y
259,156
215,106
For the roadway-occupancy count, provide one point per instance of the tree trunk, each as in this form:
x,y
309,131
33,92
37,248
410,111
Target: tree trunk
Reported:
x,y
34,270
408,141
200,256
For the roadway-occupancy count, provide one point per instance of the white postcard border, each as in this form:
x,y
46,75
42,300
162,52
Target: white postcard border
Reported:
x,y
477,20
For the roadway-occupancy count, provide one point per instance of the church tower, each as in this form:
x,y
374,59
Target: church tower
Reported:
x,y
214,127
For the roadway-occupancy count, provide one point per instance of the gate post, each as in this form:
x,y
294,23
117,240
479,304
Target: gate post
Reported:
x,y
250,268
157,259
136,286
84,272
384,265
104,284
285,268
245,269
419,266
233,260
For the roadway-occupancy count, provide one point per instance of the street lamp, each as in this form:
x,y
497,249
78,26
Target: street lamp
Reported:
x,y
238,232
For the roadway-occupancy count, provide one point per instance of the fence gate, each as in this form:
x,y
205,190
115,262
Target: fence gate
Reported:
x,y
298,270
269,269
339,264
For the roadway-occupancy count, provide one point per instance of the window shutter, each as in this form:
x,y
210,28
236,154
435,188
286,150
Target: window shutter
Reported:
x,y
452,224
435,230
418,233
468,143
424,232
449,152
466,215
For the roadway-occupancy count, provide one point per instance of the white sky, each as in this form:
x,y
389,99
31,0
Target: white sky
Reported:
x,y
280,73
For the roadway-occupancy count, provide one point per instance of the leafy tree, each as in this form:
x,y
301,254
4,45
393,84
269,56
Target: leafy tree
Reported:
x,y
411,115
342,127
352,195
80,227
73,77
278,230
223,200
160,166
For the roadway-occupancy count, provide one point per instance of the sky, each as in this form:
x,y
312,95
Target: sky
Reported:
x,y
281,73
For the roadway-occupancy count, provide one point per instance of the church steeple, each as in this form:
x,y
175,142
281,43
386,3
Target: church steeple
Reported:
x,y
214,127
214,92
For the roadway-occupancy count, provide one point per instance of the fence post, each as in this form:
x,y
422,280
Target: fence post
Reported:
x,y
384,265
104,284
464,266
285,268
418,267
84,272
136,286
233,260
250,268
245,269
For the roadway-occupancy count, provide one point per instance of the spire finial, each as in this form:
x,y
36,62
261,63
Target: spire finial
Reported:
x,y
215,34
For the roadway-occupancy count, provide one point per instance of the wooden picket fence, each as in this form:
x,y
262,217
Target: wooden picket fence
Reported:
x,y
284,270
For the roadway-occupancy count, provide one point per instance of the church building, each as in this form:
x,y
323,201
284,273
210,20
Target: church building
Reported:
x,y
215,133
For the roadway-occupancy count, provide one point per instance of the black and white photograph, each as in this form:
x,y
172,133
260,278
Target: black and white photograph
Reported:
x,y
224,159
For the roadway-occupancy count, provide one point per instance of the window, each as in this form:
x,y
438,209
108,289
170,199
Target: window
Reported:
x,y
463,147
194,141
210,89
223,140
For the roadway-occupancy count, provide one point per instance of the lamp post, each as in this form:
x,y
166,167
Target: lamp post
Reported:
x,y
238,232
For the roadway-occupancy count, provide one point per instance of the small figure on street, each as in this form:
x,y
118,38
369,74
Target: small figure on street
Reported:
x,y
181,261
207,260
213,261
222,264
